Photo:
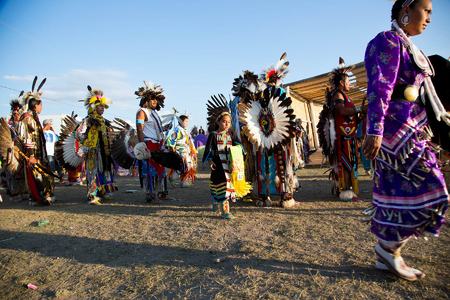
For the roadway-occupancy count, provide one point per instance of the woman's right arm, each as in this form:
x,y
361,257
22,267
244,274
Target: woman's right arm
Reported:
x,y
382,62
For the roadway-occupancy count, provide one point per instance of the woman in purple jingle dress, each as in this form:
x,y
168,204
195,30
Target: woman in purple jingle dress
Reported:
x,y
409,194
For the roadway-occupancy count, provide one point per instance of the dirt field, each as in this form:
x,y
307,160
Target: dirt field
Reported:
x,y
179,249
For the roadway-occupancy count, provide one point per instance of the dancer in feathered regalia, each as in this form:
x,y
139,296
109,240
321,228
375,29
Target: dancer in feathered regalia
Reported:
x,y
267,121
151,138
30,135
15,181
85,143
337,133
300,138
409,193
247,87
224,155
94,136
180,141
16,111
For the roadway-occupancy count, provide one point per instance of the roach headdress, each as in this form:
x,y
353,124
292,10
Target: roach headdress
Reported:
x,y
217,107
274,75
247,85
151,91
16,102
338,74
36,95
94,98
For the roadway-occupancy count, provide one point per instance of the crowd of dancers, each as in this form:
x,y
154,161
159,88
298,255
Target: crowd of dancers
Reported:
x,y
255,144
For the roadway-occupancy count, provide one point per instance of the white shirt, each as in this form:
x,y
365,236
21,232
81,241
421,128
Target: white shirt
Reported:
x,y
153,126
50,139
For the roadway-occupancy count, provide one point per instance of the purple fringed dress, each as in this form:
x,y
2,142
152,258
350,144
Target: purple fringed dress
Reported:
x,y
409,193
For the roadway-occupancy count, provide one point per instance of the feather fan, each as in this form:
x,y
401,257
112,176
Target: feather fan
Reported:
x,y
268,121
66,148
123,144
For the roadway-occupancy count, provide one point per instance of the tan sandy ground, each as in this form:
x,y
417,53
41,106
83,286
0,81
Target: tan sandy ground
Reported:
x,y
179,249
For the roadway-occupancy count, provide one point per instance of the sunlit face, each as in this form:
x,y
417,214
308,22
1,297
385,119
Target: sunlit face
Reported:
x,y
185,123
16,113
100,109
345,84
38,107
224,123
419,17
153,103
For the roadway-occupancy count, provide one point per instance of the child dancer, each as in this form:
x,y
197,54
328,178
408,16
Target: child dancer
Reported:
x,y
217,153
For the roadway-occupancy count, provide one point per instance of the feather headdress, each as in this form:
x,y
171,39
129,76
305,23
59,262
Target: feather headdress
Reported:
x,y
151,91
217,107
16,102
337,74
36,95
95,98
247,85
274,75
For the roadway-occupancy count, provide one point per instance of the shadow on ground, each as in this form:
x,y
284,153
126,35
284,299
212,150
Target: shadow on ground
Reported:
x,y
121,254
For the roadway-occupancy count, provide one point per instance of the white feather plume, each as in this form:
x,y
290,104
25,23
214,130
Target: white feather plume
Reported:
x,y
332,130
70,153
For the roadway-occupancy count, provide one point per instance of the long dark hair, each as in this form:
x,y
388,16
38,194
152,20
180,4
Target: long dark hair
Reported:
x,y
143,101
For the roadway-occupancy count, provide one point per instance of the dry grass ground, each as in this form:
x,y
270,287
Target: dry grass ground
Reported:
x,y
179,249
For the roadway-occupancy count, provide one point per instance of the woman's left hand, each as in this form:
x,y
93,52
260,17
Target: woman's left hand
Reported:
x,y
371,146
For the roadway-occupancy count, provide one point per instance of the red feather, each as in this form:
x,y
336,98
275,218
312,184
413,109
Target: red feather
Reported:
x,y
271,73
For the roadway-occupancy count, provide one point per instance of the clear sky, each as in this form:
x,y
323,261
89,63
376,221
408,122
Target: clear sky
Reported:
x,y
192,48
